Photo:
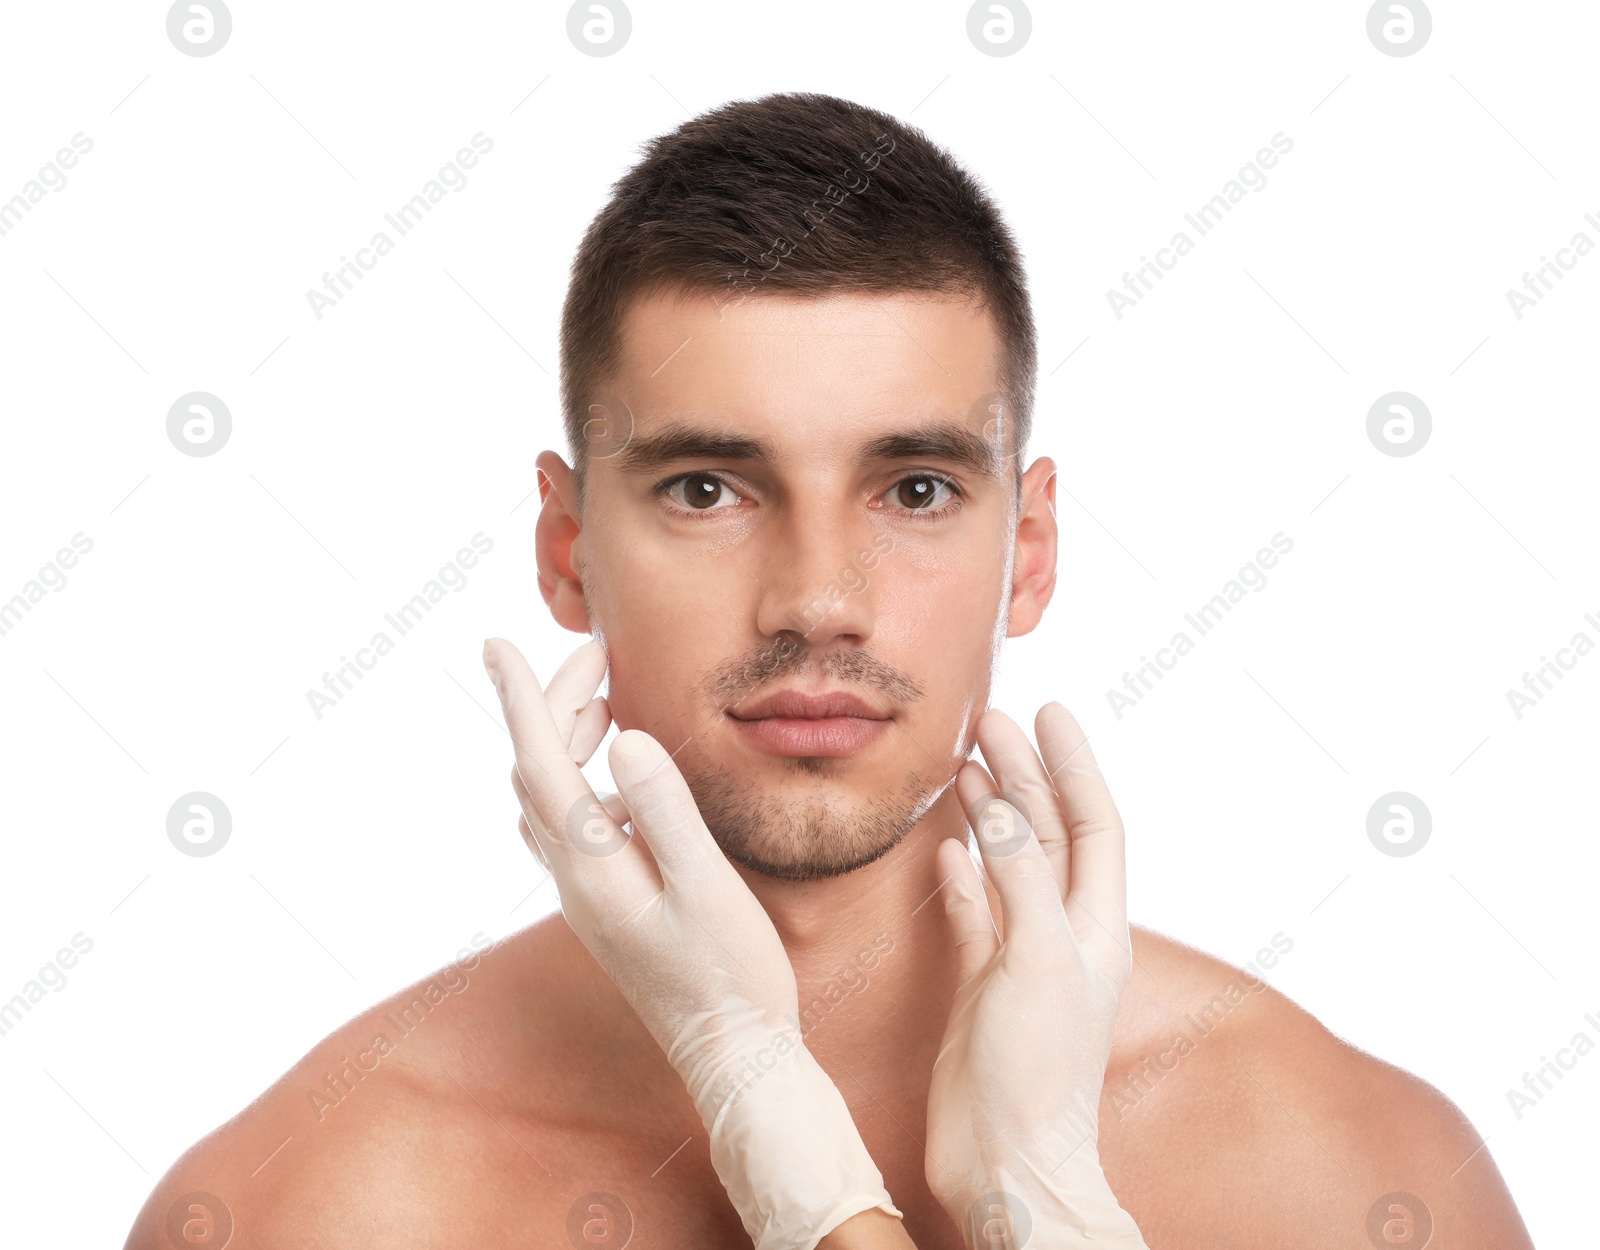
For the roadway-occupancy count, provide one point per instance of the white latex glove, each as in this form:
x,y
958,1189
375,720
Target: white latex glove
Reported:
x,y
1013,1111
677,929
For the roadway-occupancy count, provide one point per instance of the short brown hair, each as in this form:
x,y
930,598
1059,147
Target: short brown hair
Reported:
x,y
795,193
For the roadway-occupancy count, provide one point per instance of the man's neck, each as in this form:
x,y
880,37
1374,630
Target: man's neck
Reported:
x,y
872,953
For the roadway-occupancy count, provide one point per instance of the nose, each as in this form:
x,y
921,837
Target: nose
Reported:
x,y
818,576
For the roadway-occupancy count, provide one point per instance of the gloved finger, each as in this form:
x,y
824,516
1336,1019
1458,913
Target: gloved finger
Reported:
x,y
616,807
664,811
973,785
571,687
1022,876
1097,900
596,828
525,803
1020,774
528,840
555,787
971,924
590,730
611,804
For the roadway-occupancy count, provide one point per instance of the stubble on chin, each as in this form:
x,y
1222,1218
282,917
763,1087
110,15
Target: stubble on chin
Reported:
x,y
808,837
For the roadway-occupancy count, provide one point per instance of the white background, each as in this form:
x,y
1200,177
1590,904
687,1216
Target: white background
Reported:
x,y
368,446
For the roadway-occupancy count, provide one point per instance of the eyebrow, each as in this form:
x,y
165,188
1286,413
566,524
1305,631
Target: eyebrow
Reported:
x,y
940,441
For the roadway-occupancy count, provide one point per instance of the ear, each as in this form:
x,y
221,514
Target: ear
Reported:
x,y
1034,561
556,541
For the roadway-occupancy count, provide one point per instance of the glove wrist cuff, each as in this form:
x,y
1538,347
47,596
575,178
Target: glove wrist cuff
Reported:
x,y
1066,1204
782,1139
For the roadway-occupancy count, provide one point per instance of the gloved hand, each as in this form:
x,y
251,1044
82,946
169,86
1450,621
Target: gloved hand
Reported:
x,y
1013,1111
693,951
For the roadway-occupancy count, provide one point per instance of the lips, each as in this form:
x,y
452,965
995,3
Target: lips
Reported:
x,y
795,723
798,705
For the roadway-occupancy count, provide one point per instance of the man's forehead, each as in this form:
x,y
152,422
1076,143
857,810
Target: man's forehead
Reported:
x,y
777,311
679,336
854,370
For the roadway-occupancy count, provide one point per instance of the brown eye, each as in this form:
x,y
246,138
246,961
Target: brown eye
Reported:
x,y
920,493
700,492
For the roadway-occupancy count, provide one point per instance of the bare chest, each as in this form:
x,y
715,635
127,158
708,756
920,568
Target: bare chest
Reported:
x,y
649,1191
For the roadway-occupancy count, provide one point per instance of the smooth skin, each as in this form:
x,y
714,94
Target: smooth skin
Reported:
x,y
539,1085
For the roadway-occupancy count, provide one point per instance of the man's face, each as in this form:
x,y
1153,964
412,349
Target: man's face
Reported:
x,y
791,499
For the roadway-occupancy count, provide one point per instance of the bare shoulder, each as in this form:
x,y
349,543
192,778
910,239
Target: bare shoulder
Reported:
x,y
381,1133
1229,1110
283,1179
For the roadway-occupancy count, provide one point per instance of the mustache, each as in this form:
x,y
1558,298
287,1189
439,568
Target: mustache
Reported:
x,y
730,685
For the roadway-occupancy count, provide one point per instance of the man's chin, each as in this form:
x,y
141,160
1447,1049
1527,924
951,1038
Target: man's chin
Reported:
x,y
797,826
809,867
